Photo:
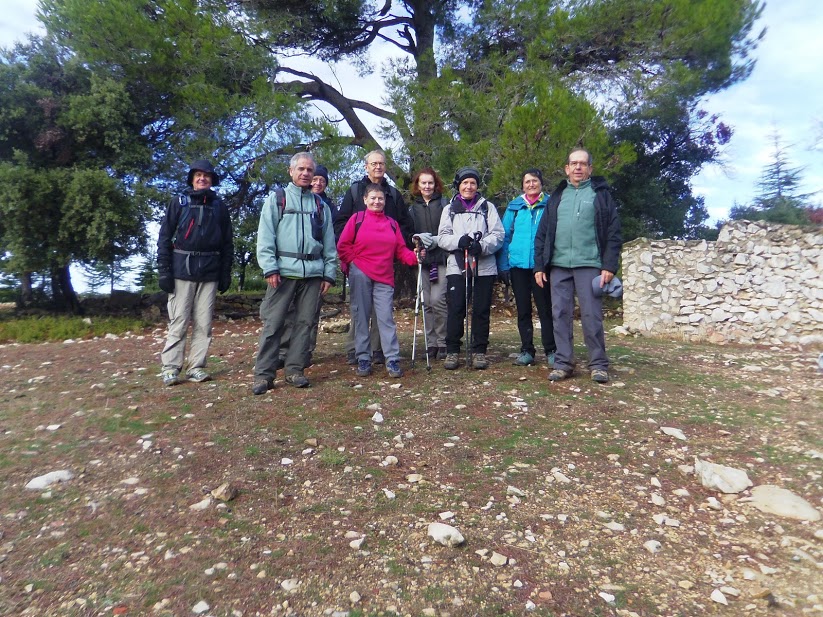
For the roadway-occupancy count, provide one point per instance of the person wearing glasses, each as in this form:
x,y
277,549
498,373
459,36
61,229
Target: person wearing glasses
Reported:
x,y
395,208
578,240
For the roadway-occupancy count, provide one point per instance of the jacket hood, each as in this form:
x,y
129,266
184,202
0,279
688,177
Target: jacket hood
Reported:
x,y
203,165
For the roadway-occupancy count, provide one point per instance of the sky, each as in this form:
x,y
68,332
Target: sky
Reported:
x,y
784,94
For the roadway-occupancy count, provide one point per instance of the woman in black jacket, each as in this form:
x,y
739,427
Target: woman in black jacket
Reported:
x,y
425,211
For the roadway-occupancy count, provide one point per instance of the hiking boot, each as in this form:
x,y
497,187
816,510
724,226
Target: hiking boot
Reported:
x,y
452,361
363,368
524,359
351,358
550,359
198,375
600,376
297,380
431,352
479,361
441,353
262,385
378,358
393,368
560,373
170,377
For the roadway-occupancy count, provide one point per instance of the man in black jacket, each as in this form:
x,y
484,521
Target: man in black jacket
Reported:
x,y
194,257
395,208
578,240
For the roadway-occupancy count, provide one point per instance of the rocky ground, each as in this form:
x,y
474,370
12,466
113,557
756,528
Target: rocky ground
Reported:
x,y
572,498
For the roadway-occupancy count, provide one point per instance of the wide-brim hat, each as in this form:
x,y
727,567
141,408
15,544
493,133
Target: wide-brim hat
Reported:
x,y
613,288
203,165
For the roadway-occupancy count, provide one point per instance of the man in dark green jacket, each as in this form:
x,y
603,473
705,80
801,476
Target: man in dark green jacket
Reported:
x,y
578,240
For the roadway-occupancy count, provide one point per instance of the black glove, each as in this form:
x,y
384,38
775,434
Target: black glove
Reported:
x,y
476,249
464,242
166,283
505,277
224,284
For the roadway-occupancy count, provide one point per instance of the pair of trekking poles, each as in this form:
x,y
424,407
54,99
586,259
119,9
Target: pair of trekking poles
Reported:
x,y
420,300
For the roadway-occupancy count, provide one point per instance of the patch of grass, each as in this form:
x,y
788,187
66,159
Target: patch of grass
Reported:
x,y
60,328
118,423
331,457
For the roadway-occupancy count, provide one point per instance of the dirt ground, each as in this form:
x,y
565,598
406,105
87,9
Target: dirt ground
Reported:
x,y
571,499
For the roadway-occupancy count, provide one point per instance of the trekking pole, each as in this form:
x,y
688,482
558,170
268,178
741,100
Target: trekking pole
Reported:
x,y
344,287
417,306
425,332
477,237
468,337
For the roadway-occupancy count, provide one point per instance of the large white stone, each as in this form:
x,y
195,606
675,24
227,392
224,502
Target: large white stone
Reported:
x,y
781,502
721,478
46,480
445,534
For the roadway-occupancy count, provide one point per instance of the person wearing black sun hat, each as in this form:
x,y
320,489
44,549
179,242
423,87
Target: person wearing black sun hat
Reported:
x,y
194,257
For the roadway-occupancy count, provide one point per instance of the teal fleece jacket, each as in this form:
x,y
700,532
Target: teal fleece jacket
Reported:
x,y
286,244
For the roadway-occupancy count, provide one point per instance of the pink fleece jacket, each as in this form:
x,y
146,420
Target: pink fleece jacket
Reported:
x,y
375,248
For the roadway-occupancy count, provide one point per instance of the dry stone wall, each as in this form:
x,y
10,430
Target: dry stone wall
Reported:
x,y
759,283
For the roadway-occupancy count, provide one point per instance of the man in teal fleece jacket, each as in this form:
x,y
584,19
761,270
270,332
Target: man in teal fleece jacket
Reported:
x,y
297,253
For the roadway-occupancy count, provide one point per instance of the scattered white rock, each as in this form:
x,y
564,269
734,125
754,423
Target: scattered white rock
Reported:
x,y
414,478
445,534
781,502
377,418
673,432
445,516
658,500
560,477
717,596
607,597
356,544
46,480
354,597
498,560
615,526
714,504
721,478
290,584
286,461
53,427
653,546
513,490
390,461
201,505
389,494
200,608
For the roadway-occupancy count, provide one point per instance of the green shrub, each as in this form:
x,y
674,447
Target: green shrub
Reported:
x,y
60,328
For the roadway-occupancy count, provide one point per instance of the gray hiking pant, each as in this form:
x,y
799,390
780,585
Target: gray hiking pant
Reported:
x,y
565,283
434,295
365,295
191,302
305,293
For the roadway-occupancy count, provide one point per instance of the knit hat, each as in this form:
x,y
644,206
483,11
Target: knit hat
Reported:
x,y
320,170
203,165
532,172
463,173
614,287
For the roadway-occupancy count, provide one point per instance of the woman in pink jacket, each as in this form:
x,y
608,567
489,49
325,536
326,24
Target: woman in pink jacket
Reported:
x,y
368,246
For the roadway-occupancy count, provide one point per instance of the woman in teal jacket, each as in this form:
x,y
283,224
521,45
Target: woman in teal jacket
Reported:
x,y
515,262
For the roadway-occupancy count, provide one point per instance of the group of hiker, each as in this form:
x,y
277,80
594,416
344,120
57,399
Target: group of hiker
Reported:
x,y
549,248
